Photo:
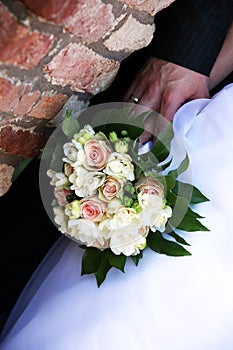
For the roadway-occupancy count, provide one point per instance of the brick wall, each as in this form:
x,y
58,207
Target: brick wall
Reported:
x,y
52,50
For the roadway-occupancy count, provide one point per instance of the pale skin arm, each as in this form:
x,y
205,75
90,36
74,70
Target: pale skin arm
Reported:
x,y
224,63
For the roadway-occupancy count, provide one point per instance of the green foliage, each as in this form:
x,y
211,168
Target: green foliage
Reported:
x,y
159,244
180,196
70,124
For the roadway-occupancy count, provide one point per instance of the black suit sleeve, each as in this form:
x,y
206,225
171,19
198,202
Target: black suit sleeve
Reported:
x,y
191,33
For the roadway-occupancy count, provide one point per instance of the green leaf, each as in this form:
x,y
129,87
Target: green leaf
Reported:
x,y
136,258
91,260
20,168
161,245
193,214
170,182
102,271
179,206
161,148
191,224
177,237
184,189
119,119
70,124
117,261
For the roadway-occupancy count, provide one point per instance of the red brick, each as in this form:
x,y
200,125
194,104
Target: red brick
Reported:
x,y
16,98
89,20
9,95
26,102
55,11
48,106
92,22
20,142
82,69
18,46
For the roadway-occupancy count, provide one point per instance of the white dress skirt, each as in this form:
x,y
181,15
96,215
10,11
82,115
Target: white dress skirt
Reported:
x,y
165,303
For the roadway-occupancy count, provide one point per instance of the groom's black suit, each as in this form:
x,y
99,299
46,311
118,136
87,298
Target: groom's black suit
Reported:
x,y
26,230
190,33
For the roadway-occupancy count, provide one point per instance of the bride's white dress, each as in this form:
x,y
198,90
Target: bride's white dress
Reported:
x,y
166,303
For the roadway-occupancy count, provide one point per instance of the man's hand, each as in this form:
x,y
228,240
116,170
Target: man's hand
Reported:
x,y
164,86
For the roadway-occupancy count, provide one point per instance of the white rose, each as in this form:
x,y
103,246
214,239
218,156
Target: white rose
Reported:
x,y
113,206
74,153
161,219
77,179
124,217
59,180
105,229
150,202
151,205
128,240
61,219
86,231
91,182
120,164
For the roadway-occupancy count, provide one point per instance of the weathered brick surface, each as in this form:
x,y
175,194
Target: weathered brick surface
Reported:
x,y
17,98
21,142
149,6
51,51
48,106
26,103
88,20
124,38
56,11
19,46
6,172
82,69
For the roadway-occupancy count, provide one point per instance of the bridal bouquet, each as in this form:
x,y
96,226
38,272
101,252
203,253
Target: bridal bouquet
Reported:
x,y
114,203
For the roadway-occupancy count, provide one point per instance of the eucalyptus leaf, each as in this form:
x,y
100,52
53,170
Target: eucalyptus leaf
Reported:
x,y
159,244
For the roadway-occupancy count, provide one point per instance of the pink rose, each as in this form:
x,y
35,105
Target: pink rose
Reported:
x,y
149,186
61,196
110,188
97,153
92,209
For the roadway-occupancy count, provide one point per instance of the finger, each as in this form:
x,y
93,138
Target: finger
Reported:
x,y
145,137
152,97
170,106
